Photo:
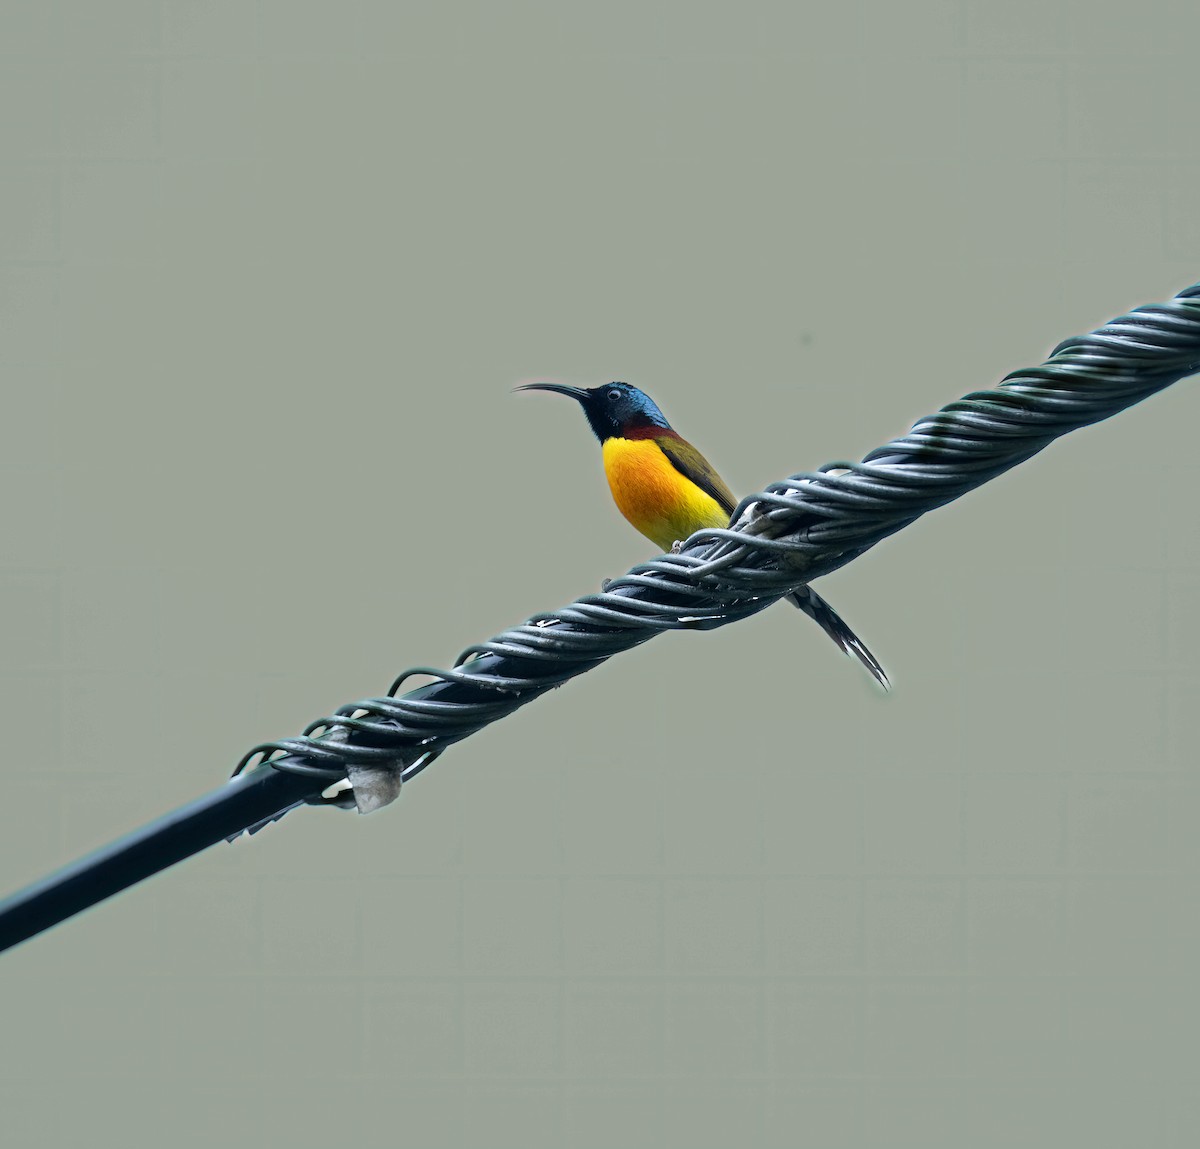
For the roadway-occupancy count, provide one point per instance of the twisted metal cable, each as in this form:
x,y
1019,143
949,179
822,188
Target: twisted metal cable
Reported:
x,y
781,538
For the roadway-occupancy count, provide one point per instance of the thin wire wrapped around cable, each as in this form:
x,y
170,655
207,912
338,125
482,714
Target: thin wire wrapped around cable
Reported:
x,y
793,532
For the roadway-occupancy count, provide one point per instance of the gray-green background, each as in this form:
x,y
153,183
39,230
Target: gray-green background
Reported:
x,y
268,272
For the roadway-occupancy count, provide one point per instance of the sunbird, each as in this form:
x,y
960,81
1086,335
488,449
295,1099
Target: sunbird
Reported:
x,y
668,490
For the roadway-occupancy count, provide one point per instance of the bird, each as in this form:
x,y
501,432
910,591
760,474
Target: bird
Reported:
x,y
668,490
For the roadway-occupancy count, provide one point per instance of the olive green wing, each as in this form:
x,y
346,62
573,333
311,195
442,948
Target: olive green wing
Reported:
x,y
694,466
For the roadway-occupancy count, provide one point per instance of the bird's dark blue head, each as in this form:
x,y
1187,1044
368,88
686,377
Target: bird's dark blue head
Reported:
x,y
616,410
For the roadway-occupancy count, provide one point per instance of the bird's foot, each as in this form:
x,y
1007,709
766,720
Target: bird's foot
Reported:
x,y
676,546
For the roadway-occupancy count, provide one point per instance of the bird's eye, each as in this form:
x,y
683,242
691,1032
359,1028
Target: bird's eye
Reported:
x,y
613,394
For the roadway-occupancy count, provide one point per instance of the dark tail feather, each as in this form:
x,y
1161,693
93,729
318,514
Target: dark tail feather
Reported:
x,y
831,623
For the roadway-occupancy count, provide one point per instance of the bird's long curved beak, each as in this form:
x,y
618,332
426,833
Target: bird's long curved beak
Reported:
x,y
576,393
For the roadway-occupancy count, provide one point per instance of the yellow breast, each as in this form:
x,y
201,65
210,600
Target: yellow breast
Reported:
x,y
659,501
